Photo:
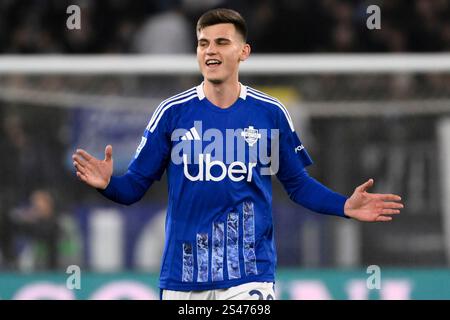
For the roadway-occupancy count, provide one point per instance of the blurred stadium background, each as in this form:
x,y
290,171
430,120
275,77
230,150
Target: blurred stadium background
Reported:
x,y
367,104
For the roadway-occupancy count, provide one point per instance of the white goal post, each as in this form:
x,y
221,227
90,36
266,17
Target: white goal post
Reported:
x,y
257,64
277,65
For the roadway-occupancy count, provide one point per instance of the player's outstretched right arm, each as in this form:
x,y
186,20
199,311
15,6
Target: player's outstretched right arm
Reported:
x,y
94,172
126,189
149,163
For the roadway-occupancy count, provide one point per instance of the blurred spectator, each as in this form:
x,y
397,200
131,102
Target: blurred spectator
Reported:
x,y
44,237
37,231
274,26
28,164
343,38
13,139
32,163
167,32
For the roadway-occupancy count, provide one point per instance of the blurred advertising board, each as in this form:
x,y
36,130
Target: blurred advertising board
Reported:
x,y
292,284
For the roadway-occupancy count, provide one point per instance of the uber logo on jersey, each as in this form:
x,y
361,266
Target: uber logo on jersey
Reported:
x,y
226,153
236,171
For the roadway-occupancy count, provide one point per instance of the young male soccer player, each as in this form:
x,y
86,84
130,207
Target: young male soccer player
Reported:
x,y
213,141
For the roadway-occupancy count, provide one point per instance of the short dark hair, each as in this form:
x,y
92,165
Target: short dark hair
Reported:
x,y
222,15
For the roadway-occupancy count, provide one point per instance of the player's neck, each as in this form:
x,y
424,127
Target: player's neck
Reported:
x,y
223,94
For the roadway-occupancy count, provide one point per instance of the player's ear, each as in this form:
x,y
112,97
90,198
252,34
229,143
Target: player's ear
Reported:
x,y
245,53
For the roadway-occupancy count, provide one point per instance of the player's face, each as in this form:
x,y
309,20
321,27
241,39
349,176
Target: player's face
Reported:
x,y
220,48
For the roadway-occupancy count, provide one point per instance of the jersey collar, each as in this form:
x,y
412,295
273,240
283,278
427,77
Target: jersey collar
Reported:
x,y
201,93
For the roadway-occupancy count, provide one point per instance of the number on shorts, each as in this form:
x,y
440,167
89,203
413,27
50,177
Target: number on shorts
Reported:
x,y
260,295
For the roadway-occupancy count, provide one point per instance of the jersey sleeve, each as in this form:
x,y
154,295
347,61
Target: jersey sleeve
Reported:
x,y
292,173
152,154
293,156
148,165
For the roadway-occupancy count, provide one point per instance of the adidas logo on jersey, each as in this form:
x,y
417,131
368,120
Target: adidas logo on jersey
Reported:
x,y
192,134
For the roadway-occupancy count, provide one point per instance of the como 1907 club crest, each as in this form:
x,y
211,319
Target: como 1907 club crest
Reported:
x,y
251,135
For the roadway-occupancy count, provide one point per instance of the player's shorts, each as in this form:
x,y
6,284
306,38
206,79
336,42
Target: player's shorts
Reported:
x,y
246,291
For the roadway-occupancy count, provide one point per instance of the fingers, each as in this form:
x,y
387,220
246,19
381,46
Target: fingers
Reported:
x,y
390,211
80,168
366,185
79,160
383,219
108,152
390,205
385,197
81,153
81,176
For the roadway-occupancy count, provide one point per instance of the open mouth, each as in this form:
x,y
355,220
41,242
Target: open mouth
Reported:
x,y
213,63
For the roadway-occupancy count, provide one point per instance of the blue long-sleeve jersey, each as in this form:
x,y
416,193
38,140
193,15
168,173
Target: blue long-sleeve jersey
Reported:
x,y
219,162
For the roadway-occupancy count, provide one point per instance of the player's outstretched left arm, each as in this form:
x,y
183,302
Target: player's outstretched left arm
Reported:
x,y
371,207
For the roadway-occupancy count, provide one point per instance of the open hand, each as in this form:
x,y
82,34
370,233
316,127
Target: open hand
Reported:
x,y
94,172
364,206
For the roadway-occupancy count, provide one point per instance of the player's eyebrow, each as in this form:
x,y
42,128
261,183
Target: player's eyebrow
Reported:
x,y
220,39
